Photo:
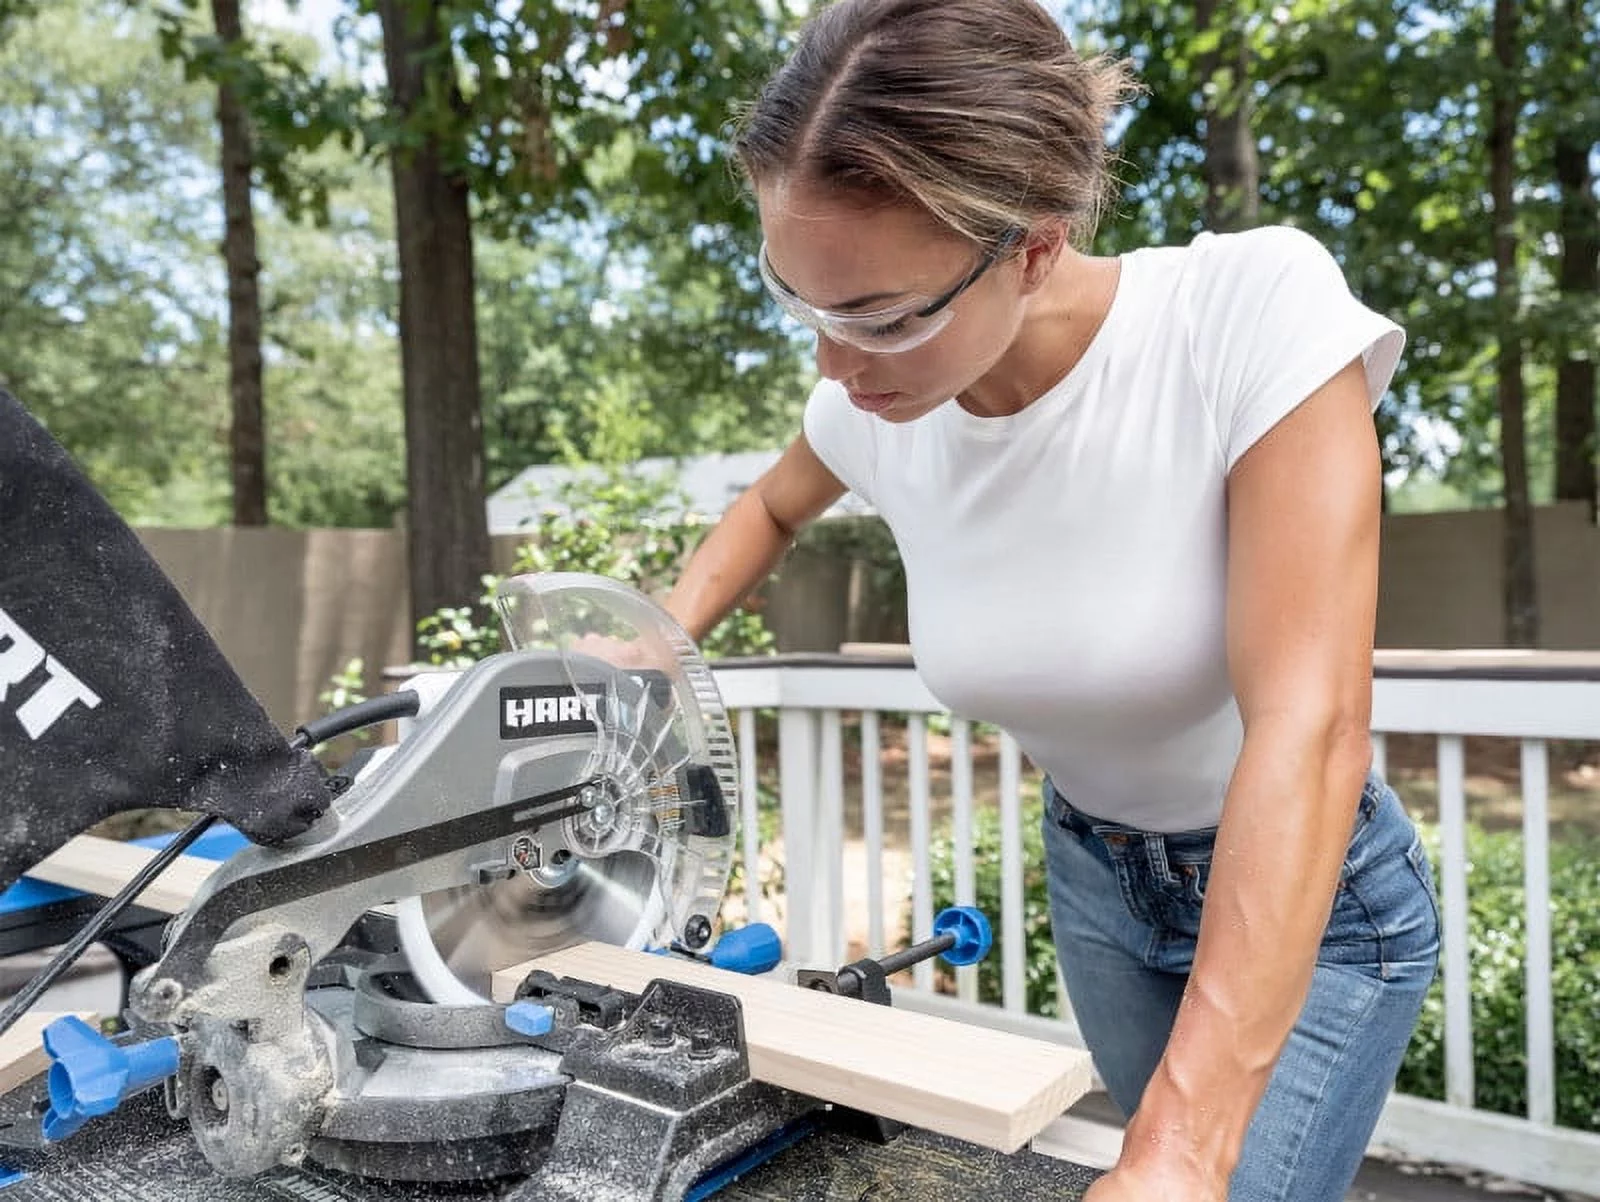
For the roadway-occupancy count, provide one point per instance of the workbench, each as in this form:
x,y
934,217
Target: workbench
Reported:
x,y
138,1154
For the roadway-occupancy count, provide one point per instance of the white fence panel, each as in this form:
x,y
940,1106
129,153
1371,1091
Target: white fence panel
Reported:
x,y
1450,696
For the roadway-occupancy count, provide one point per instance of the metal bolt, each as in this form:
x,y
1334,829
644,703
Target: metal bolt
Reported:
x,y
525,852
219,1094
697,931
701,1046
162,997
660,1031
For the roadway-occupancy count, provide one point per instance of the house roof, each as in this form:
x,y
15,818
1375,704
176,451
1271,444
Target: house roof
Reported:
x,y
711,482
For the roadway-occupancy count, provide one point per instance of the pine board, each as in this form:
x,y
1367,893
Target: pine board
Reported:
x,y
104,866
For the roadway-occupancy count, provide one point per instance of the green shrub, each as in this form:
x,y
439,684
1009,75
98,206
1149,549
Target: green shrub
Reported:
x,y
1040,971
609,523
1496,935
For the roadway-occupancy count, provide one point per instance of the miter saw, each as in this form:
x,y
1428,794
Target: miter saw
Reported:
x,y
327,999
315,1023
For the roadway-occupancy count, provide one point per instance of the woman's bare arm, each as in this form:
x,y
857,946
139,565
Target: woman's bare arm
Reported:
x,y
746,545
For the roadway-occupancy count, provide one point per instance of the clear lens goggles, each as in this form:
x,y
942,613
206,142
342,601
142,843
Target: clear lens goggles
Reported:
x,y
889,331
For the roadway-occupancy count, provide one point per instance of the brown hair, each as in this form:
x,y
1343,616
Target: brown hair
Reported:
x,y
979,111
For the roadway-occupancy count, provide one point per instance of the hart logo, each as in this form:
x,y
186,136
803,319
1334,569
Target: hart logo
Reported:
x,y
537,710
54,691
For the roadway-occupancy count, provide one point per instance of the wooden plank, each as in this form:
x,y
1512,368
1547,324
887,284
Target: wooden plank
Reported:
x,y
984,1086
22,1054
104,866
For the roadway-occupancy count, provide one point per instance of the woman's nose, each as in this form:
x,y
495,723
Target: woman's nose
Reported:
x,y
836,360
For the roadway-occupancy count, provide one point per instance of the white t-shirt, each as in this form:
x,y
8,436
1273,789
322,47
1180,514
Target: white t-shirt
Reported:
x,y
1066,566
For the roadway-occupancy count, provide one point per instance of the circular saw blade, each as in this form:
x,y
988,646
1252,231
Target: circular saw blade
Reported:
x,y
457,939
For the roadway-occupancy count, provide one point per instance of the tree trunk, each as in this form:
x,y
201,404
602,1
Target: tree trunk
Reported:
x,y
1521,596
1232,167
1579,280
447,524
247,440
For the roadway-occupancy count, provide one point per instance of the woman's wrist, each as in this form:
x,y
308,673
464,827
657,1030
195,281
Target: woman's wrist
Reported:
x,y
1189,1133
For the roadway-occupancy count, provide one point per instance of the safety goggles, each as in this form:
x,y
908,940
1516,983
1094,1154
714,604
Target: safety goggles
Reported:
x,y
889,331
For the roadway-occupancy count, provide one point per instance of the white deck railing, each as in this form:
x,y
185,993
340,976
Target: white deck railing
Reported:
x,y
1530,697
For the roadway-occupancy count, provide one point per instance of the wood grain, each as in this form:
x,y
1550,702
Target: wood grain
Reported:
x,y
987,1087
104,866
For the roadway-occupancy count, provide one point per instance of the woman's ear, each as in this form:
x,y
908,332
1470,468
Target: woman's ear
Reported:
x,y
1041,249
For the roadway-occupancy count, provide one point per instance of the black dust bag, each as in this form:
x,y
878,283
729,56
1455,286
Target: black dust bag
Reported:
x,y
112,695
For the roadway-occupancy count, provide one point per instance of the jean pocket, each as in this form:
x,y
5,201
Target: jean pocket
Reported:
x,y
1385,918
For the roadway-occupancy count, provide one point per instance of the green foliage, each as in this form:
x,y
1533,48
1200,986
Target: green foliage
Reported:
x,y
1394,182
1497,956
1497,951
620,524
1039,972
104,233
346,687
458,635
607,522
769,825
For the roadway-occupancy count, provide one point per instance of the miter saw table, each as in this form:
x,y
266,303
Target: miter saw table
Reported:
x,y
140,1155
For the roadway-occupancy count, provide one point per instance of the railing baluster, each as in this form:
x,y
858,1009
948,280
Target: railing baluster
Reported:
x,y
961,838
872,822
1014,987
1458,1082
830,799
1451,706
750,813
921,887
1536,880
805,933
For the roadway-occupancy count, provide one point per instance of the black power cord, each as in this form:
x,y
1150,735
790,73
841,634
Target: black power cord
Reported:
x,y
402,704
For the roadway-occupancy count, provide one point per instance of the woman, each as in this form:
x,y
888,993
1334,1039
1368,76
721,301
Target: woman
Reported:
x,y
1137,500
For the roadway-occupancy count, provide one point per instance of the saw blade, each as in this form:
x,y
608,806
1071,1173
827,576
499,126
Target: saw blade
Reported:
x,y
463,936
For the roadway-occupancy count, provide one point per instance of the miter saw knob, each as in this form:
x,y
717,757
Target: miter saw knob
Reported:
x,y
530,1018
752,949
973,936
90,1074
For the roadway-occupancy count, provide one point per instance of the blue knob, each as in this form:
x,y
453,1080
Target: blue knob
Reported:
x,y
752,949
971,929
90,1074
530,1018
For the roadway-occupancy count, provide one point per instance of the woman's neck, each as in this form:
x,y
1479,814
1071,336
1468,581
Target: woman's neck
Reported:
x,y
1059,324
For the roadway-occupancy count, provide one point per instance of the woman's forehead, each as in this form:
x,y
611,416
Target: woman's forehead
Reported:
x,y
841,253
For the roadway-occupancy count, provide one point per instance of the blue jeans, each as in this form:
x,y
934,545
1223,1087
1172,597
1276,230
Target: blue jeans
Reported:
x,y
1125,910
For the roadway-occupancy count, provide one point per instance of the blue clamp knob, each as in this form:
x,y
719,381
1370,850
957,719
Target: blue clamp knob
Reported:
x,y
90,1075
972,933
530,1018
752,949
